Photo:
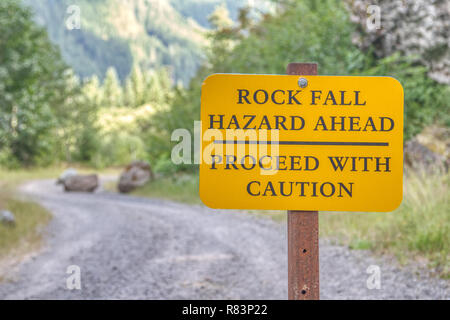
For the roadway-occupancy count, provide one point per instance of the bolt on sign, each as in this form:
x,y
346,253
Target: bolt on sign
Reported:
x,y
328,143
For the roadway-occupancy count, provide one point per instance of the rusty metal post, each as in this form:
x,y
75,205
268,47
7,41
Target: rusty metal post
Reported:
x,y
303,234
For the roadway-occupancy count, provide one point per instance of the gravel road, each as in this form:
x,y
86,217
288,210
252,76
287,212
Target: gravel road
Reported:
x,y
134,248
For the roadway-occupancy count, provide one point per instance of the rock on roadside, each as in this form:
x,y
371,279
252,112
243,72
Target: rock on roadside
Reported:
x,y
420,157
135,175
7,218
81,183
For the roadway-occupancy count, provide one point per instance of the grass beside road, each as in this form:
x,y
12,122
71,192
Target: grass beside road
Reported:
x,y
30,217
419,230
180,188
10,179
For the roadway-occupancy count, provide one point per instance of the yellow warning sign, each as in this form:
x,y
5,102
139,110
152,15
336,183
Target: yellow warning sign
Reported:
x,y
328,143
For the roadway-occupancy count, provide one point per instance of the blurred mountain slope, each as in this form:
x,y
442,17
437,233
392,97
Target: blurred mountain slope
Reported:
x,y
118,33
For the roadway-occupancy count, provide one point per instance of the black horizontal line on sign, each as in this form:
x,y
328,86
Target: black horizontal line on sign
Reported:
x,y
306,143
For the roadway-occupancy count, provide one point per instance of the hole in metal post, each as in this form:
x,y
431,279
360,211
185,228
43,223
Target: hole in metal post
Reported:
x,y
303,291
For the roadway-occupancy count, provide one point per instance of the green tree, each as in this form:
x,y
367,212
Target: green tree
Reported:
x,y
92,91
129,94
137,86
301,31
426,101
158,87
112,91
31,78
66,115
221,38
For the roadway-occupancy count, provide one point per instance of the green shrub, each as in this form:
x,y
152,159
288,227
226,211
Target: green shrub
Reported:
x,y
419,227
426,101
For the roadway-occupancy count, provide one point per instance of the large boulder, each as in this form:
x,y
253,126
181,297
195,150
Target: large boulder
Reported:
x,y
419,156
135,175
81,183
